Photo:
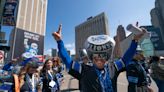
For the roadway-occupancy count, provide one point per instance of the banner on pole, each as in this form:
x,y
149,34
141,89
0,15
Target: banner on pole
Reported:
x,y
9,13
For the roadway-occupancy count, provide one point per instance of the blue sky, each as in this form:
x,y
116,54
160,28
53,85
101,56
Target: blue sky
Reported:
x,y
74,12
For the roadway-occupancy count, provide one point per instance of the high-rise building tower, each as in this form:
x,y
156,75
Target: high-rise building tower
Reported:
x,y
54,52
121,33
32,16
120,36
93,26
27,38
157,16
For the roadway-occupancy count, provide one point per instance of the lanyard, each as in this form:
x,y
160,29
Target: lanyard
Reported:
x,y
50,75
31,82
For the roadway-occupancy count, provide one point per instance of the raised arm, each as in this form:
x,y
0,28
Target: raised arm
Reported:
x,y
130,52
62,51
127,57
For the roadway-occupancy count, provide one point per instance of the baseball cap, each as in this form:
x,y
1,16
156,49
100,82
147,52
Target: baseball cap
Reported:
x,y
33,62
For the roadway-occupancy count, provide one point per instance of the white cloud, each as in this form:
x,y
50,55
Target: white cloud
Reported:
x,y
71,47
72,51
48,52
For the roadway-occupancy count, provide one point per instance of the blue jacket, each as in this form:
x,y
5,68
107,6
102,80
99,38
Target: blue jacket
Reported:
x,y
136,76
7,67
81,70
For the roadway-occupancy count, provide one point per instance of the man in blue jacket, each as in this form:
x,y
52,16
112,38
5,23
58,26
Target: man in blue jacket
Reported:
x,y
102,76
137,75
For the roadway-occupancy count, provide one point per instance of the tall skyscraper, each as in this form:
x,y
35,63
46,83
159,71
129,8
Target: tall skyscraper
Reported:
x,y
120,36
157,16
93,26
27,39
121,33
54,52
32,16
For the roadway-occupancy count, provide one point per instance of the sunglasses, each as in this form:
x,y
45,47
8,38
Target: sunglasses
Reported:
x,y
102,56
99,59
54,60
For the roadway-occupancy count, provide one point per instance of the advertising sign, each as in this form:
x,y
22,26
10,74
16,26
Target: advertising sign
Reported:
x,y
28,44
9,21
9,12
156,37
147,47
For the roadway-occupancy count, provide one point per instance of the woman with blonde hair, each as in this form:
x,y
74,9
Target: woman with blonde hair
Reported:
x,y
27,80
57,66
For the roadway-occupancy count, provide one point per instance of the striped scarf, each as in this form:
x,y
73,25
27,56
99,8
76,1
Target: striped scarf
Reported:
x,y
104,78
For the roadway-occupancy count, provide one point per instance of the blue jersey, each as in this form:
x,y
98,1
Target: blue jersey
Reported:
x,y
136,76
90,75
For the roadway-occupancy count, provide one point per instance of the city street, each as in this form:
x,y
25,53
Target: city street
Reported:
x,y
41,39
71,85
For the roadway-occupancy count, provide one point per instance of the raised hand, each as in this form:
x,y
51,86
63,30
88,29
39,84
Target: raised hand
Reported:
x,y
139,36
57,35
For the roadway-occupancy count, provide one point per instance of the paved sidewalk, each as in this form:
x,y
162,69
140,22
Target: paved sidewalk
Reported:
x,y
69,84
122,83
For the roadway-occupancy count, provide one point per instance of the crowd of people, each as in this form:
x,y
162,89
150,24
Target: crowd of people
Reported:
x,y
96,71
32,77
101,75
